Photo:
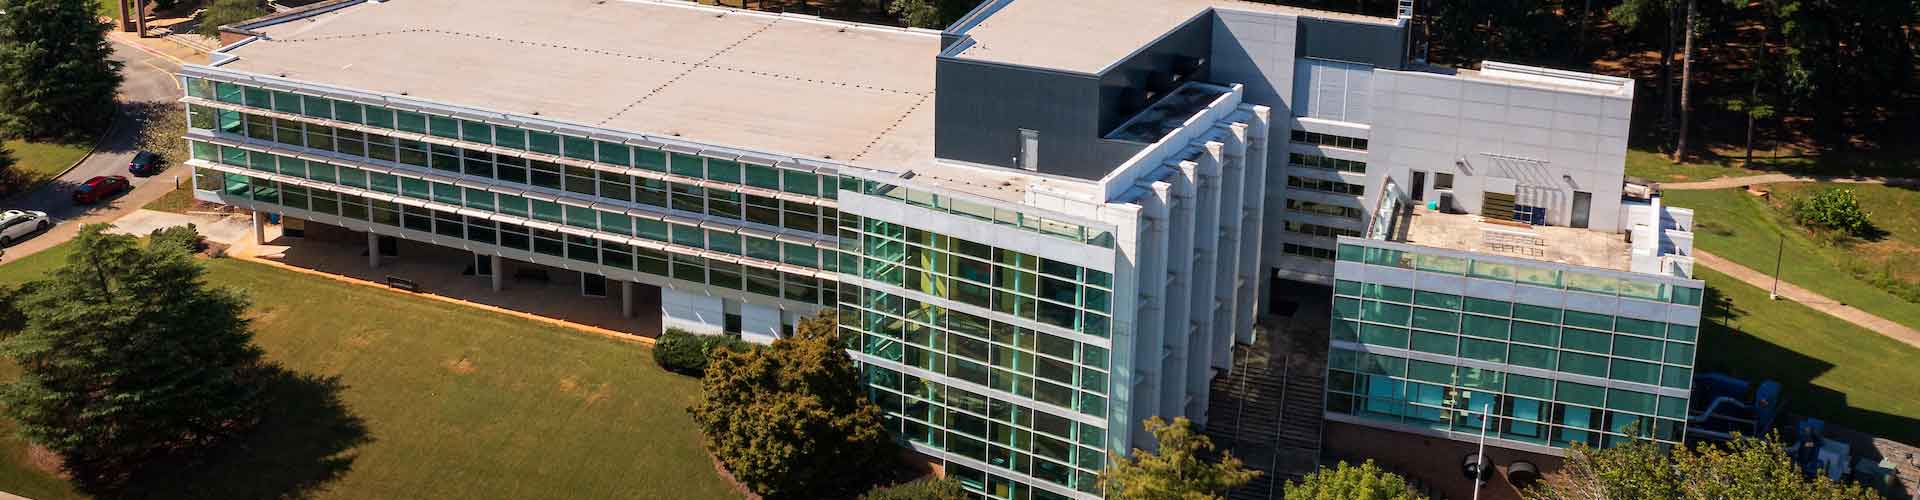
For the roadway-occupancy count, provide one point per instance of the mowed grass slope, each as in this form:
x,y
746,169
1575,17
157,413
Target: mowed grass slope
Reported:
x,y
1829,369
462,403
1741,228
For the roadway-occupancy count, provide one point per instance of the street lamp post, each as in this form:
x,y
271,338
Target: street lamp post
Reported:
x,y
1479,457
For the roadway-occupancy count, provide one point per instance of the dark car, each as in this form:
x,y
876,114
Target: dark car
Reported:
x,y
100,188
144,163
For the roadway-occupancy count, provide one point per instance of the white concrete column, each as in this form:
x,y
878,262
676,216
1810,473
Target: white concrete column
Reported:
x,y
259,228
499,280
759,324
626,299
373,250
696,313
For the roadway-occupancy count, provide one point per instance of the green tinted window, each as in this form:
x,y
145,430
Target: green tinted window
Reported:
x,y
1431,372
411,122
542,142
579,148
1581,394
1433,319
689,165
1590,320
1385,292
762,176
1493,307
1522,385
1383,335
1630,401
1573,338
1385,313
617,154
1483,350
650,159
1536,357
1344,287
444,127
1573,362
1436,343
799,182
1637,348
1635,371
1535,333
1681,333
1536,313
1440,300
1482,326
509,137
1653,329
723,171
1687,296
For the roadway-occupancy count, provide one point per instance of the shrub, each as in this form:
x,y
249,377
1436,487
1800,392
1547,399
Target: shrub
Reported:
x,y
923,489
1833,209
686,353
185,237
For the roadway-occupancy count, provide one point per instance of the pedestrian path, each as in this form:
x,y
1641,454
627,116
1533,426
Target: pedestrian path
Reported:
x,y
1733,182
1816,301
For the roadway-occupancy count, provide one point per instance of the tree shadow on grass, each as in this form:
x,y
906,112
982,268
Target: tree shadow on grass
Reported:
x,y
306,438
1725,348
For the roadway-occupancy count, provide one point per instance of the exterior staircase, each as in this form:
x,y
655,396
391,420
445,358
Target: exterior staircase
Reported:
x,y
1267,410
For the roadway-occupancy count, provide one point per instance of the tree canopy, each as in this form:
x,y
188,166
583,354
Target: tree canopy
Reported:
x,y
1348,482
1177,471
56,80
790,420
127,355
1745,468
225,12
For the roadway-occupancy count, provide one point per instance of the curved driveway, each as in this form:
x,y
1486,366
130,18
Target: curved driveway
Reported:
x,y
148,79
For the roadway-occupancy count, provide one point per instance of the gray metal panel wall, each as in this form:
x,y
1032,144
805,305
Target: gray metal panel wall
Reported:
x,y
981,107
1159,59
1377,45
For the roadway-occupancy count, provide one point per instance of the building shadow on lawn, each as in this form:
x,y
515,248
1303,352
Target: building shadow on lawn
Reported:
x,y
1725,349
306,438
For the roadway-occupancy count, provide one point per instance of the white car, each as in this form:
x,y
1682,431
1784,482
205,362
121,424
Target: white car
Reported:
x,y
18,224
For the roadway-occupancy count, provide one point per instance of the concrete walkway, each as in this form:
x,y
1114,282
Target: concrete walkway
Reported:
x,y
1733,182
1816,301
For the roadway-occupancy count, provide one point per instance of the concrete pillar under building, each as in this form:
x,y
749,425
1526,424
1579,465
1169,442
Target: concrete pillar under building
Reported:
x,y
626,299
373,250
498,280
759,324
693,312
259,228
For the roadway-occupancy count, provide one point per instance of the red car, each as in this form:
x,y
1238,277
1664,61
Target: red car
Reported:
x,y
100,188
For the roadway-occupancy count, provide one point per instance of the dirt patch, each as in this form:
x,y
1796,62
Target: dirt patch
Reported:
x,y
461,366
45,460
262,314
601,393
569,385
364,339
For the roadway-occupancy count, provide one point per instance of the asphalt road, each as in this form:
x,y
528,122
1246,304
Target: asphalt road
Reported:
x,y
149,79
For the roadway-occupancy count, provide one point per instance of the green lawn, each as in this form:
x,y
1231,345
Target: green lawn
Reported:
x,y
1829,368
458,403
1655,166
39,162
1741,228
176,201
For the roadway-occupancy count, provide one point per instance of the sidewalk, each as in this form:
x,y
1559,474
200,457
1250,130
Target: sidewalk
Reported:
x,y
1733,182
1816,301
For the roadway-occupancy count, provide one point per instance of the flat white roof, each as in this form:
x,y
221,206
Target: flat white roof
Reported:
x,y
1087,36
795,85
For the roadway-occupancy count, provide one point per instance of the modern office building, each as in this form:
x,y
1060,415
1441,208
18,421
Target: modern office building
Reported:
x,y
1042,225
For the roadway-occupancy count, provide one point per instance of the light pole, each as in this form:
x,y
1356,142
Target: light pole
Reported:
x,y
1479,457
1777,254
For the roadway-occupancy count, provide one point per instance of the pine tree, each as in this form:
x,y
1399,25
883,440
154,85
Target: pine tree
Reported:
x,y
56,80
128,356
790,420
225,12
1177,470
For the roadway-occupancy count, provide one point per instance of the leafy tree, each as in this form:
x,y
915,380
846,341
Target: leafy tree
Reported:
x,y
1176,471
225,12
1745,468
916,13
1843,56
1347,482
790,420
128,357
56,81
686,353
923,489
7,173
1834,209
